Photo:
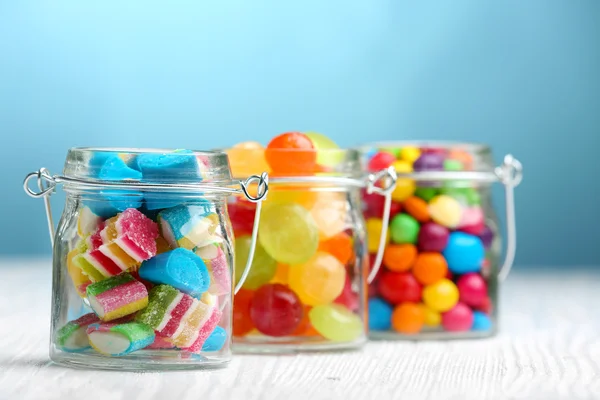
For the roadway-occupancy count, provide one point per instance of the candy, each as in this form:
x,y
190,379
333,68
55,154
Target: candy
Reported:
x,y
472,289
247,158
160,342
336,323
433,237
410,154
242,323
328,153
429,162
481,322
380,315
281,274
458,319
429,268
288,233
487,237
119,339
116,297
339,246
242,214
441,296
375,203
399,287
158,167
432,318
218,270
417,208
180,268
291,153
134,233
405,187
190,334
472,221
408,318
166,307
275,310
426,193
80,280
404,229
381,160
349,296
206,328
72,337
188,226
87,222
373,228
399,257
445,211
263,265
330,214
216,340
453,165
464,253
318,281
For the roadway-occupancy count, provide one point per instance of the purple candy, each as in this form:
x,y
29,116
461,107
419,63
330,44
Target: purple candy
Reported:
x,y
433,237
487,237
429,162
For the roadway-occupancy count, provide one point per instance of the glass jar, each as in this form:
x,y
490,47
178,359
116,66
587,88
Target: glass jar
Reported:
x,y
142,258
307,288
441,263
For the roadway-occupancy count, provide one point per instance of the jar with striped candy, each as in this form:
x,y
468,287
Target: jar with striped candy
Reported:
x,y
442,260
143,257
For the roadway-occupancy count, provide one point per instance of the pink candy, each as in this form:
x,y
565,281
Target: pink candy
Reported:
x,y
458,319
472,289
472,221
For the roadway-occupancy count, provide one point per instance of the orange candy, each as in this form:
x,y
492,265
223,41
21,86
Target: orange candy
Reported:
x,y
463,156
399,257
291,153
281,274
408,318
339,246
430,267
242,324
305,328
417,208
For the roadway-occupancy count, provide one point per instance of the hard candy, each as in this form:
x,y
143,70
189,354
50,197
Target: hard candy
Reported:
x,y
404,229
399,287
472,289
458,319
433,237
464,253
445,210
380,315
441,296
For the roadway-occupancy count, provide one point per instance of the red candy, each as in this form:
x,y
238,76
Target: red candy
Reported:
x,y
242,323
276,310
242,214
433,237
472,289
458,319
375,203
399,287
381,160
348,297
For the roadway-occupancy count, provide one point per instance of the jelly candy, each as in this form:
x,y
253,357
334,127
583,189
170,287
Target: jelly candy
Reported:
x,y
399,287
441,296
445,210
399,257
464,253
288,233
134,233
166,309
335,322
374,226
117,297
188,226
380,315
119,339
206,328
472,289
80,280
242,323
280,148
458,319
429,268
73,337
200,313
263,265
433,237
481,322
275,310
404,229
87,222
218,269
216,340
408,318
319,280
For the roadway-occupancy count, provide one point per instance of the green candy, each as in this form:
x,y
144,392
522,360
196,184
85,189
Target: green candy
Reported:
x,y
473,196
404,229
426,193
453,165
263,265
159,300
392,150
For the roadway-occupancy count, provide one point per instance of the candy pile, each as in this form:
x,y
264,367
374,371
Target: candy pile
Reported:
x,y
305,261
151,274
435,268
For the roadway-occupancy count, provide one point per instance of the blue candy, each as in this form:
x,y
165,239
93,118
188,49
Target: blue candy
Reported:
x,y
481,322
380,315
184,221
216,340
464,253
180,268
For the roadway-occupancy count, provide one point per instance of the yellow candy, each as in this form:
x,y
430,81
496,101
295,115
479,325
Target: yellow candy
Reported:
x,y
281,274
87,222
410,154
299,195
247,158
441,296
330,213
445,210
77,275
432,317
318,281
402,167
374,226
405,187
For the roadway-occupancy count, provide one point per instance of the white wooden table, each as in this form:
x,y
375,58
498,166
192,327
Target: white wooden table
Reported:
x,y
548,348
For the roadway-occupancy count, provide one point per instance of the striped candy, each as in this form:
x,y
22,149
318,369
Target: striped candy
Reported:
x,y
72,337
188,226
118,339
218,270
116,297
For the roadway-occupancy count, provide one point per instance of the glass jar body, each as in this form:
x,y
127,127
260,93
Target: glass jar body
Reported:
x,y
307,287
142,289
439,275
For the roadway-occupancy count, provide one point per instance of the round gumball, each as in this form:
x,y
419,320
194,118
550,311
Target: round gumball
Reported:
x,y
374,226
426,193
242,214
404,229
319,280
242,324
472,221
473,197
410,154
408,318
429,268
275,310
445,210
288,233
462,156
487,237
380,315
432,317
458,319
263,266
485,306
472,289
417,208
399,287
464,253
339,246
399,257
336,323
429,162
348,297
291,153
433,237
481,322
246,159
330,213
405,187
380,161
392,150
375,204
441,296
452,165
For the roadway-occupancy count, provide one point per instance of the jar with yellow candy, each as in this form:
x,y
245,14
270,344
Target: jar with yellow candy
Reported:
x,y
307,286
441,264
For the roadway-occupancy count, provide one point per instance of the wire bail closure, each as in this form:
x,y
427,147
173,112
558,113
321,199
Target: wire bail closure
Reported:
x,y
47,185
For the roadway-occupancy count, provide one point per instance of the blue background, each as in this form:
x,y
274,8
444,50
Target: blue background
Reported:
x,y
522,76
